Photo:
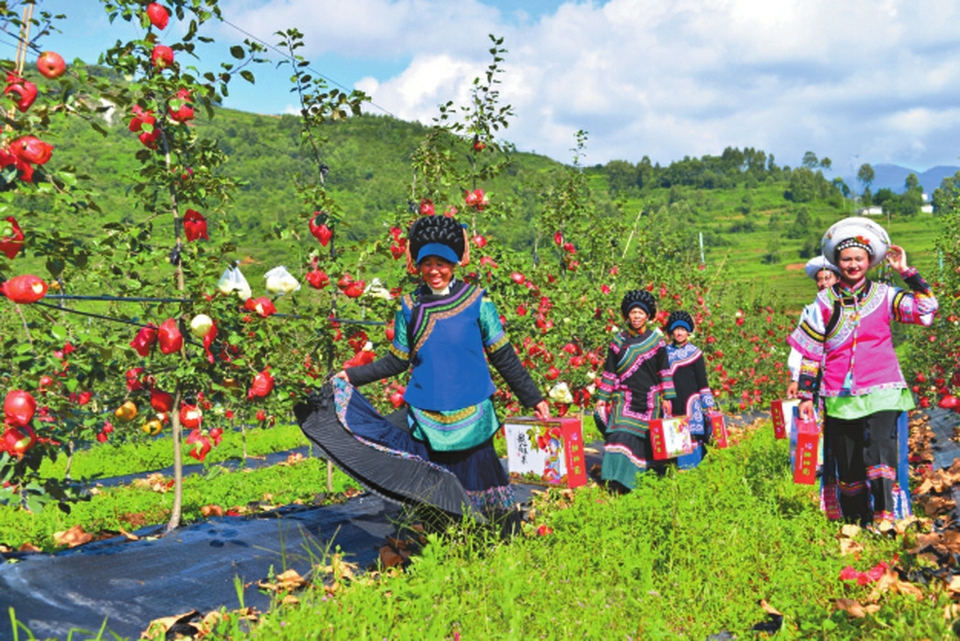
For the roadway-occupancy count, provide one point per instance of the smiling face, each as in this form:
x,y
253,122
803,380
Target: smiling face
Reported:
x,y
853,264
638,318
436,272
826,278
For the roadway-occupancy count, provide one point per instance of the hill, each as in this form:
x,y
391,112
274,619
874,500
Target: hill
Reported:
x,y
759,220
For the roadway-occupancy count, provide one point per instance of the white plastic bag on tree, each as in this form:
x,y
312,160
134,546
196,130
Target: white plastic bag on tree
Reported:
x,y
233,281
280,281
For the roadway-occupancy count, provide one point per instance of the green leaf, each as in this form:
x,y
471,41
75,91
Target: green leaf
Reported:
x,y
237,52
247,75
59,332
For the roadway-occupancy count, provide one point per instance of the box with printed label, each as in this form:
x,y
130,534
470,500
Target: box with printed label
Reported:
x,y
781,412
808,447
719,430
546,452
670,437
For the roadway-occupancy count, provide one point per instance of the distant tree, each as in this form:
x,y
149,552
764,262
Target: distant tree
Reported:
x,y
772,256
621,176
841,186
887,199
946,197
802,224
811,244
746,204
912,182
912,199
810,160
866,175
826,163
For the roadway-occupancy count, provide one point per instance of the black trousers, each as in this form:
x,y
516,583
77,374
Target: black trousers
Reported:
x,y
866,451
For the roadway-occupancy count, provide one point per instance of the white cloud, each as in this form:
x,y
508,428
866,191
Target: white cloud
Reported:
x,y
668,78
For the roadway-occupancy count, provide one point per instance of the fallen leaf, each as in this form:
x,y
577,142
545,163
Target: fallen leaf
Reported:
x,y
389,558
954,584
850,531
285,582
289,599
73,537
29,547
851,607
769,609
951,611
935,505
848,546
128,536
158,628
211,510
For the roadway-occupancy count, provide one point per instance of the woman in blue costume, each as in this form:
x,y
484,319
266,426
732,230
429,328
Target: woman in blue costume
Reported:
x,y
635,388
441,453
689,374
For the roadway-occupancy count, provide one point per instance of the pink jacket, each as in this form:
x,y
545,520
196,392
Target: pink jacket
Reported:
x,y
856,338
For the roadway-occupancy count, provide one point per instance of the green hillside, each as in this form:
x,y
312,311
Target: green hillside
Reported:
x,y
756,218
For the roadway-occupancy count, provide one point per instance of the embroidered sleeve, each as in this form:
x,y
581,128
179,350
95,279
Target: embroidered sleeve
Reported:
x,y
809,378
609,380
808,337
916,307
706,394
666,376
400,347
491,330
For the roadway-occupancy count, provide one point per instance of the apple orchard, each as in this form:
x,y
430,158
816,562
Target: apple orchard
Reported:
x,y
145,327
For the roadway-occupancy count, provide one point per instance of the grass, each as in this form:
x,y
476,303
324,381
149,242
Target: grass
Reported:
x,y
133,457
684,556
132,506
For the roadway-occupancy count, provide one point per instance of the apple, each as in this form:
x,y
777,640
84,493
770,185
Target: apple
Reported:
x,y
158,15
50,64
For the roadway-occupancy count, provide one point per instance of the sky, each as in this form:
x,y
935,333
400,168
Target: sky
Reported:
x,y
856,81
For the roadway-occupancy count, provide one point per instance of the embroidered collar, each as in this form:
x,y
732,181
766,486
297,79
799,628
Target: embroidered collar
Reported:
x,y
852,295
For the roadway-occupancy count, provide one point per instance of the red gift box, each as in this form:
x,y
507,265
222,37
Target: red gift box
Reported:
x,y
546,452
670,437
808,447
782,414
719,429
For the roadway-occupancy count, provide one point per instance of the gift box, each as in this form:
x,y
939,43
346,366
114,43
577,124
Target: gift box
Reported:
x,y
808,447
782,414
718,430
546,452
670,438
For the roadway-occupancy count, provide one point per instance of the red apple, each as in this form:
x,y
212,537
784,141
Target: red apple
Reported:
x,y
158,15
51,65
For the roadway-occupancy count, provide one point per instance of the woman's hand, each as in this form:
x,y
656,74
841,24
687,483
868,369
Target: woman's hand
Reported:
x,y
342,375
805,410
897,258
667,409
792,389
542,410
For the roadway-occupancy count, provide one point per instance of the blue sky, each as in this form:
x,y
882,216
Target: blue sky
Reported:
x,y
858,81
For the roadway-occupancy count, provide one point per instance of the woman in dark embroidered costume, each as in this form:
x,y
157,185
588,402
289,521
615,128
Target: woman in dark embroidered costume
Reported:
x,y
635,388
442,453
848,340
689,374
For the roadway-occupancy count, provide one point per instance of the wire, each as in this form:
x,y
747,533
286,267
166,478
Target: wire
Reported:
x,y
315,72
118,299
91,315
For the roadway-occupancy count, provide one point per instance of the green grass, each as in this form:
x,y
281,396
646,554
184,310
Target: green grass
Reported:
x,y
132,506
108,459
684,556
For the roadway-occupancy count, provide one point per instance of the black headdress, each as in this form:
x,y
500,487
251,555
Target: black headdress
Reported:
x,y
436,236
639,298
680,319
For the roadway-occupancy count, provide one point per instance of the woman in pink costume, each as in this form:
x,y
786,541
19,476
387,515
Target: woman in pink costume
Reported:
x,y
848,358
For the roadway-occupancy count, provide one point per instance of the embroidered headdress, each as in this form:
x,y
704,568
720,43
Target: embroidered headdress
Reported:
x,y
639,298
856,232
817,264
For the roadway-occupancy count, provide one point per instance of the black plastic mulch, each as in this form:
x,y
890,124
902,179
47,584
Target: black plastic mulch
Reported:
x,y
132,583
